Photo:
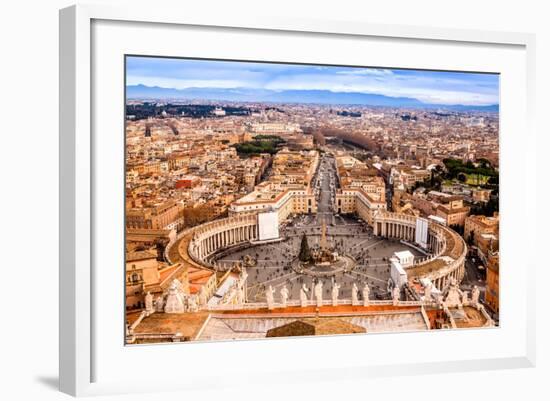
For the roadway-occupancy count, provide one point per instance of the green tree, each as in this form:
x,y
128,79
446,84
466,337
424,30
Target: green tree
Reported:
x,y
305,253
484,163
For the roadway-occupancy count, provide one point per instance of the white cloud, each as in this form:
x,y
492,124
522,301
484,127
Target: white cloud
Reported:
x,y
366,71
429,89
423,89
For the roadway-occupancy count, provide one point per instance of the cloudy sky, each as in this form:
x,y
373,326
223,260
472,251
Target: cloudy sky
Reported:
x,y
427,86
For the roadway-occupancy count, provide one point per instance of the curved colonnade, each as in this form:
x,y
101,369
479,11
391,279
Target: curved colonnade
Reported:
x,y
448,249
205,240
446,262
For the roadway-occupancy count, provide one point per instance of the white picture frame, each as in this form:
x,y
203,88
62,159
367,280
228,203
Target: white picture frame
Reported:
x,y
80,346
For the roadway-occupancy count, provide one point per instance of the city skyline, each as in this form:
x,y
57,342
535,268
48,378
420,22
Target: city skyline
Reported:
x,y
270,206
237,80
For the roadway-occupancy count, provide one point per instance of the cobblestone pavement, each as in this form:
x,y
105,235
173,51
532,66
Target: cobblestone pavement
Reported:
x,y
347,236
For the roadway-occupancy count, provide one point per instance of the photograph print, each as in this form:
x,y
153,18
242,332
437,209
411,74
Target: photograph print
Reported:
x,y
269,199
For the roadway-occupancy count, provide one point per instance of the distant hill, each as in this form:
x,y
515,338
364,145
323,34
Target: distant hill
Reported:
x,y
288,96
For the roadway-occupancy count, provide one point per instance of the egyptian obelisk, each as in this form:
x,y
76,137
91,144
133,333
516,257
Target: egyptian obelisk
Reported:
x,y
323,242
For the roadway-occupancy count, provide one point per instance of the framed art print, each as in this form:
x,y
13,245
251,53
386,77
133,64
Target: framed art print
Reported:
x,y
289,196
272,200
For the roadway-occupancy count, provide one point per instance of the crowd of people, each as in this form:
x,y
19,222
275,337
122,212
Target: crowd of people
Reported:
x,y
346,235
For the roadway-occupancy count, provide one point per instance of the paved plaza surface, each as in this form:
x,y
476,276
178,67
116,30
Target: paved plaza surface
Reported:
x,y
345,234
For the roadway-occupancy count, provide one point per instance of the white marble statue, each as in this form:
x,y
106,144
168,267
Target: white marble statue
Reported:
x,y
439,299
319,293
284,296
303,295
454,295
202,297
177,284
229,296
175,301
475,295
335,293
428,293
159,304
240,295
269,297
243,277
192,304
354,300
465,300
389,285
149,303
366,295
395,295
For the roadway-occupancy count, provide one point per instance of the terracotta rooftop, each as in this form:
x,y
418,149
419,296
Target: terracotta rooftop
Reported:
x,y
472,318
315,326
140,255
187,324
